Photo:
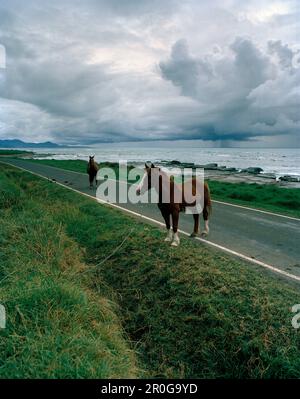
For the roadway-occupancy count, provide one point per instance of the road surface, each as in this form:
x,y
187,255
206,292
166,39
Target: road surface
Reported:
x,y
261,236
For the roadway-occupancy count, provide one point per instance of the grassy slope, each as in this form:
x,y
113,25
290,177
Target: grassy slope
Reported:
x,y
68,164
58,325
77,165
15,152
190,312
267,197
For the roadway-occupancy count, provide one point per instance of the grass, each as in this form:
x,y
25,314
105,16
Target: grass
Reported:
x,y
15,153
68,164
189,312
261,196
58,326
77,165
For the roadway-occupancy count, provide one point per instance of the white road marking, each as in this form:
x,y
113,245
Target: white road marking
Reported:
x,y
228,250
257,210
217,202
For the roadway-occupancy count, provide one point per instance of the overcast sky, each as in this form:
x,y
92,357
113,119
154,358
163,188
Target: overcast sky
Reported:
x,y
223,71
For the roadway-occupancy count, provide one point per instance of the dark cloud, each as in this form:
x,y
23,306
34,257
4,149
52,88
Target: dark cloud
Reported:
x,y
113,70
183,70
240,95
284,53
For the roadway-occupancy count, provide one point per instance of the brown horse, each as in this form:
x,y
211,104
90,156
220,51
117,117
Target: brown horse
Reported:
x,y
180,198
92,170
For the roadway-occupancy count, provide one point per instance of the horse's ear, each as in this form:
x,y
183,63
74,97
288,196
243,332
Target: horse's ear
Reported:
x,y
152,165
146,166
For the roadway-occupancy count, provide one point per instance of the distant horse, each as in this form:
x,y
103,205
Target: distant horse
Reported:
x,y
92,170
155,178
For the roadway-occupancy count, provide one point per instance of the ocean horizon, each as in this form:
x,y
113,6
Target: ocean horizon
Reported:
x,y
279,161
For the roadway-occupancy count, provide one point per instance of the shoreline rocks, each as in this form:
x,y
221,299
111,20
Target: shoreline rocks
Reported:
x,y
253,170
235,175
289,178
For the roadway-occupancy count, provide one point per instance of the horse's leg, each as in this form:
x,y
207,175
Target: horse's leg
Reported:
x,y
205,217
166,216
196,225
175,219
91,178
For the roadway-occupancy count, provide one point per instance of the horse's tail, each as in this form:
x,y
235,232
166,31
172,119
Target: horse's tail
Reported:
x,y
207,200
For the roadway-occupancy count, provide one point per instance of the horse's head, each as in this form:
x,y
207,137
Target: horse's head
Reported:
x,y
92,160
149,179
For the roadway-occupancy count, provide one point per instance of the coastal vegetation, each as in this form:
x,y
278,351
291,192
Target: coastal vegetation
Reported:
x,y
93,293
59,323
16,153
268,197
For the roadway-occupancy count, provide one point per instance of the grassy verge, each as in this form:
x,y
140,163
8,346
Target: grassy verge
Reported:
x,y
74,165
189,312
77,165
15,153
261,196
58,326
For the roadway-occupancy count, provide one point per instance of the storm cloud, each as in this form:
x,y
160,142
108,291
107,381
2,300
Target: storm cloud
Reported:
x,y
94,71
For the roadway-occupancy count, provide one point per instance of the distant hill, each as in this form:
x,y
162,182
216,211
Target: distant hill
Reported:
x,y
22,144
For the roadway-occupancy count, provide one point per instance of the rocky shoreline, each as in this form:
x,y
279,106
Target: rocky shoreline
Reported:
x,y
233,175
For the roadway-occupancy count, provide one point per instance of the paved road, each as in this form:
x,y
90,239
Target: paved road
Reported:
x,y
265,237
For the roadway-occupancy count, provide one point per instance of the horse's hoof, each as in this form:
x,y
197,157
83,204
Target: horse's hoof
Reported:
x,y
169,236
204,233
193,234
176,240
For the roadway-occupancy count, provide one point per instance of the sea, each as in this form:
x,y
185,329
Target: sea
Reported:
x,y
285,161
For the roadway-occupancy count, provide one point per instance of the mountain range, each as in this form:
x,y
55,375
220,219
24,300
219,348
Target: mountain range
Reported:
x,y
15,143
